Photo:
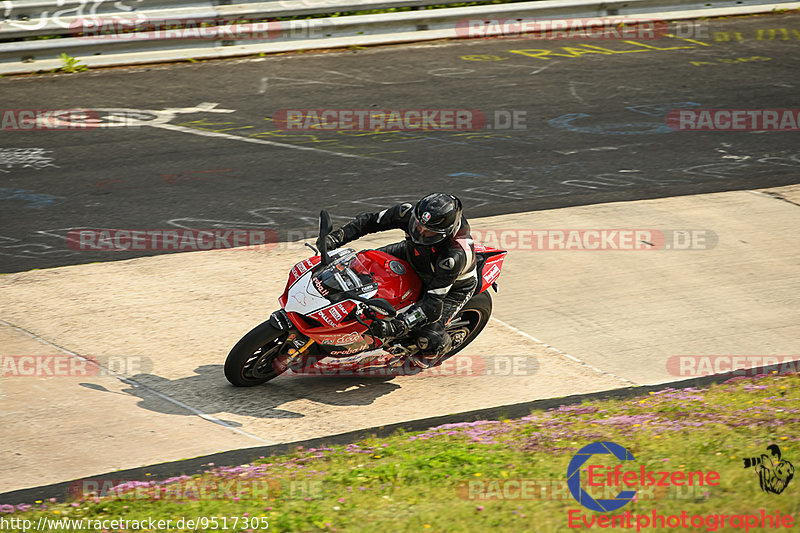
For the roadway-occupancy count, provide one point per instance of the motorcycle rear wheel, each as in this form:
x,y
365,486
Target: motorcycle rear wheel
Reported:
x,y
468,323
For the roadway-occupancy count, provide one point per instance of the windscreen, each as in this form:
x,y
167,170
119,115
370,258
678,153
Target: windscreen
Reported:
x,y
346,273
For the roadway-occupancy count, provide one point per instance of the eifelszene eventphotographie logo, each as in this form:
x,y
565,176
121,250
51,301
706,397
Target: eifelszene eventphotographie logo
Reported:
x,y
608,478
631,478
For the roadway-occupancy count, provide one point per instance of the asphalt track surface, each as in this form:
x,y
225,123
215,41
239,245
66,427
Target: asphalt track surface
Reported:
x,y
594,132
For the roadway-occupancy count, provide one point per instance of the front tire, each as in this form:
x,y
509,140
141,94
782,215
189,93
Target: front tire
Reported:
x,y
252,361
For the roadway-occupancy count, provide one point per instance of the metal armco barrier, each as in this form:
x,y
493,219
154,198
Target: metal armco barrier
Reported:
x,y
23,23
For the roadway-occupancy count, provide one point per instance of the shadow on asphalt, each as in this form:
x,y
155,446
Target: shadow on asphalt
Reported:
x,y
208,391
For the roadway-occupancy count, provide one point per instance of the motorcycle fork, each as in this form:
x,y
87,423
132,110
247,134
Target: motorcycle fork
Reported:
x,y
296,354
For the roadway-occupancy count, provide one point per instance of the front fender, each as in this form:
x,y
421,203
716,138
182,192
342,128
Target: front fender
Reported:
x,y
280,320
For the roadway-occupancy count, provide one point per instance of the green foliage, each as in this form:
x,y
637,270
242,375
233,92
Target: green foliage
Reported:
x,y
70,64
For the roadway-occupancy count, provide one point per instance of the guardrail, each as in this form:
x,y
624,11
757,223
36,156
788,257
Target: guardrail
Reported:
x,y
77,24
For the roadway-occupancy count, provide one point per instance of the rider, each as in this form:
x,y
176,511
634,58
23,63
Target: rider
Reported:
x,y
440,249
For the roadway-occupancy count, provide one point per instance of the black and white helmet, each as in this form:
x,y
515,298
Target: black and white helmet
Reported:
x,y
435,218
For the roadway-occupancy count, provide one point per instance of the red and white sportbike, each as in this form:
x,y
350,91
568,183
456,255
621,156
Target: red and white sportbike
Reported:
x,y
330,300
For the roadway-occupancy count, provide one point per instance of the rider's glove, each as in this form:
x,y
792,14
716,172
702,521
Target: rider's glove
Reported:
x,y
388,328
334,239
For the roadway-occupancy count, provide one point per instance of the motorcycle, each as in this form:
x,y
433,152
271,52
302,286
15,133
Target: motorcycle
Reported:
x,y
330,300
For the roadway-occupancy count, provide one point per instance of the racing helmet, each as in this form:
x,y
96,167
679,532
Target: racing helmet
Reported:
x,y
435,218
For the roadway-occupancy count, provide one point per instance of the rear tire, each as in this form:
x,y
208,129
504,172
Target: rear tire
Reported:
x,y
475,314
252,360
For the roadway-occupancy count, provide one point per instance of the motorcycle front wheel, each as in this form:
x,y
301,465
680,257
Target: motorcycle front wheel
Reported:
x,y
252,361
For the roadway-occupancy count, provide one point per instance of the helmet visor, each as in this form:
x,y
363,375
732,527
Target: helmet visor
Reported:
x,y
420,234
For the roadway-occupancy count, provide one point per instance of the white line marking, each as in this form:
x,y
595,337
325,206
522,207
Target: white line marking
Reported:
x,y
205,133
595,149
774,196
124,117
533,72
574,92
542,69
560,352
372,81
129,381
298,81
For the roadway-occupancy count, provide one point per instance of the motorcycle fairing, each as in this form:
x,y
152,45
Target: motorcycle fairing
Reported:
x,y
329,323
304,292
398,283
299,269
490,262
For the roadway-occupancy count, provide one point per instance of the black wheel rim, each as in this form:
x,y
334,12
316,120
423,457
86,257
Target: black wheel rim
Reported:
x,y
462,327
260,364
